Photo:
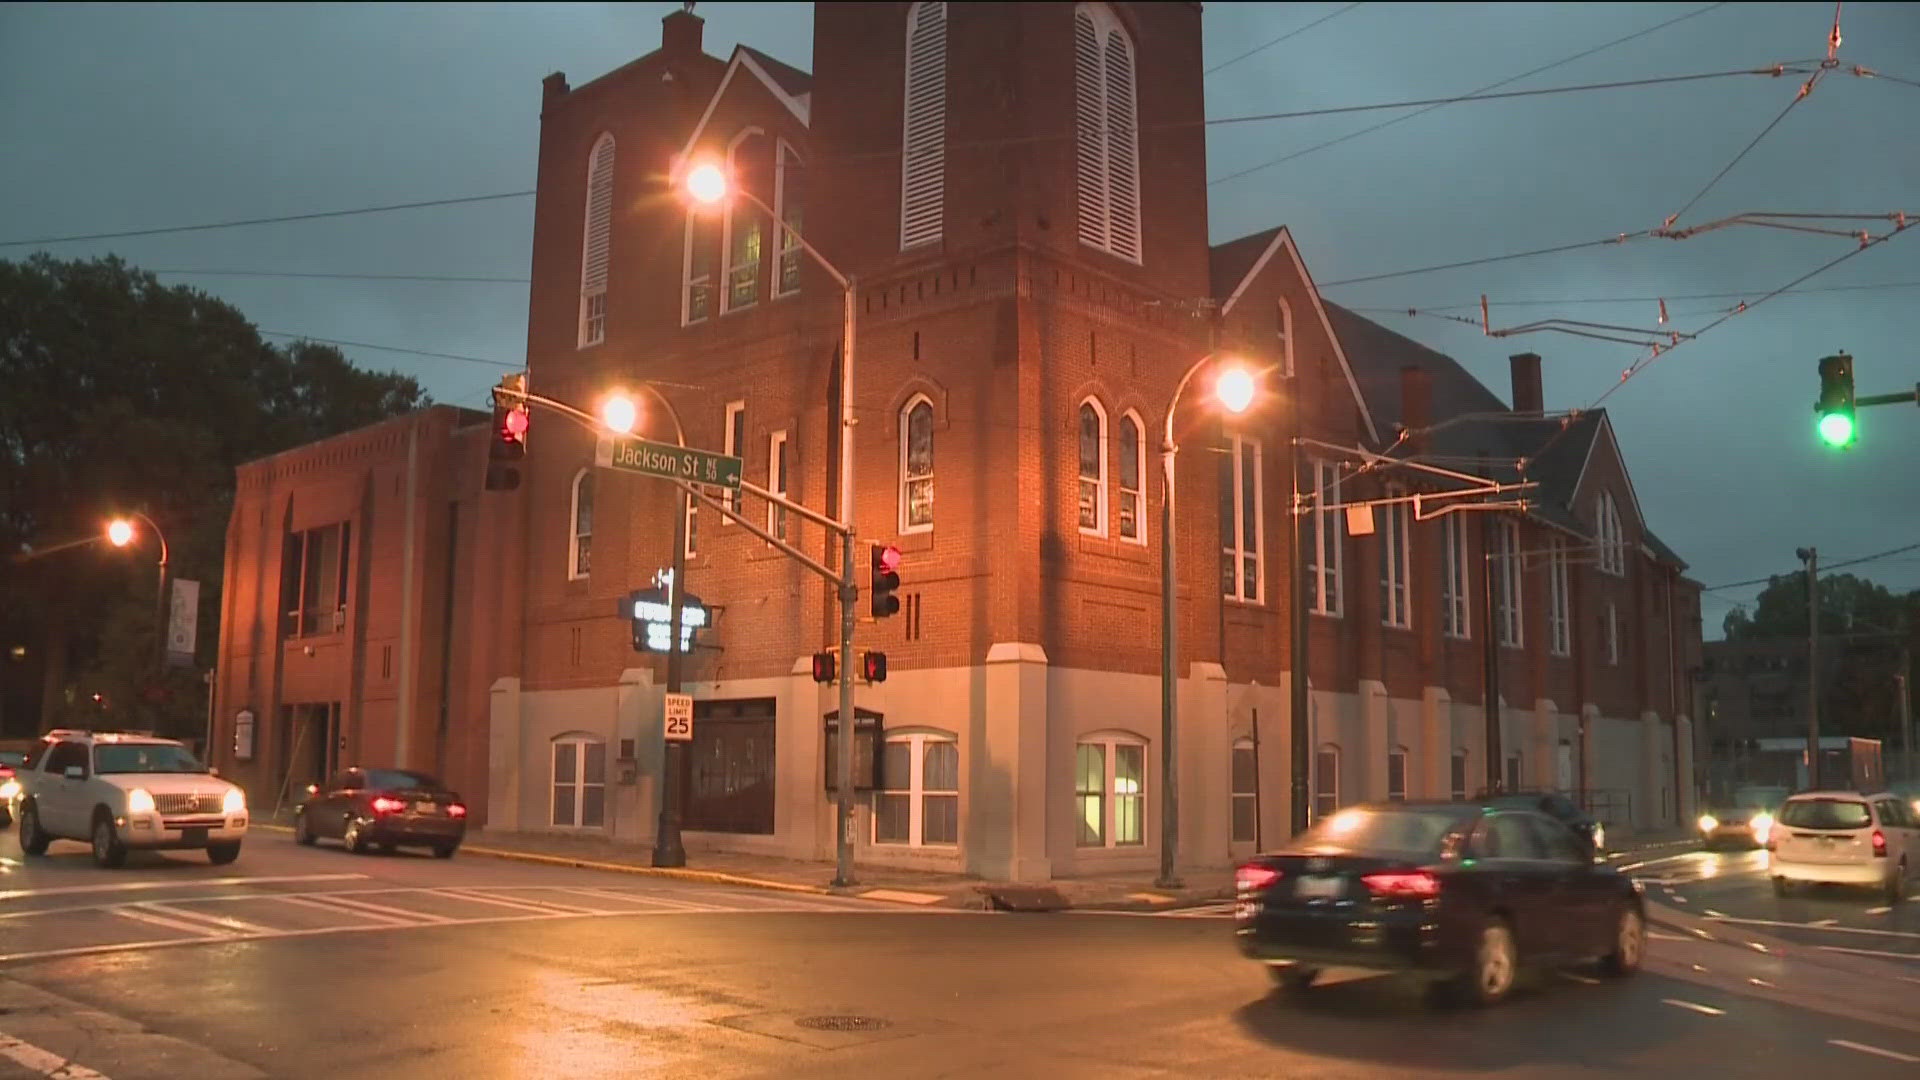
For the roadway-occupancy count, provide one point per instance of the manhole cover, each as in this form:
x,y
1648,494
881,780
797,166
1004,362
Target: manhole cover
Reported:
x,y
841,1023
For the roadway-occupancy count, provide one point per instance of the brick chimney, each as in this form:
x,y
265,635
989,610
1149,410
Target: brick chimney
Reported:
x,y
1416,398
680,33
553,86
1527,395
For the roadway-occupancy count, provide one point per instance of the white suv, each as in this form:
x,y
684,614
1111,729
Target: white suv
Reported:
x,y
120,791
1845,838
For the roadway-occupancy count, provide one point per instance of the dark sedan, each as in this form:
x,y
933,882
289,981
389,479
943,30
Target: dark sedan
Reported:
x,y
1555,805
384,809
1455,893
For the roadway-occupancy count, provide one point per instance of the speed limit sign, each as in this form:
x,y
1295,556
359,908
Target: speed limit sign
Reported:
x,y
679,718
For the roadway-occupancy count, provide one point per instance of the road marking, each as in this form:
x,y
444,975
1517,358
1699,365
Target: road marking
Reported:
x,y
365,907
519,902
1704,1010
190,883
1892,1055
1823,922
1676,897
1760,982
1869,952
1826,925
1878,910
1658,936
902,896
648,898
181,925
1150,897
46,1064
223,922
1589,980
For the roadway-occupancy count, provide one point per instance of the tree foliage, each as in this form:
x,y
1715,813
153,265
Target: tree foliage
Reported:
x,y
124,394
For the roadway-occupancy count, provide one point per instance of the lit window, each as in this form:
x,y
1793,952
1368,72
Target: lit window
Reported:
x,y
1559,626
1326,781
1453,576
697,297
313,580
1106,133
742,228
1131,457
916,466
580,546
597,243
579,782
1093,468
1110,792
1395,566
1242,532
789,198
1324,555
919,805
923,140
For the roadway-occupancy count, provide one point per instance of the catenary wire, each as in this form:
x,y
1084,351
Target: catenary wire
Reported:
x,y
1841,565
1283,159
1649,299
459,280
1744,151
1289,35
310,216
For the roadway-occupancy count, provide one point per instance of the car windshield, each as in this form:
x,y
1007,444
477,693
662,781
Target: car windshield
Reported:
x,y
400,780
1414,832
1759,798
12,757
145,758
1825,814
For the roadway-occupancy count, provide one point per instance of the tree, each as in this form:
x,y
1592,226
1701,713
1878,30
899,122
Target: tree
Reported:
x,y
123,394
1848,604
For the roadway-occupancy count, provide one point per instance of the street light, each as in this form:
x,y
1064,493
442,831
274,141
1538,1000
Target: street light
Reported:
x,y
120,533
707,184
1233,390
619,413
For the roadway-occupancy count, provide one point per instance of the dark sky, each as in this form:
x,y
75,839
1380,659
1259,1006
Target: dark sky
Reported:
x,y
124,117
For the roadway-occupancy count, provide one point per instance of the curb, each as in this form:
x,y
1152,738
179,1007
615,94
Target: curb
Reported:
x,y
711,877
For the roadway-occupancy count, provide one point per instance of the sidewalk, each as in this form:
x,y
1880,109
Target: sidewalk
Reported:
x,y
1127,892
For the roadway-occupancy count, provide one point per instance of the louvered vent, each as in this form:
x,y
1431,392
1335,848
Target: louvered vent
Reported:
x,y
598,245
923,157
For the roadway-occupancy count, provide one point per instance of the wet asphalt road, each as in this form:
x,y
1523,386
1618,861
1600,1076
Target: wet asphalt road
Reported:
x,y
321,964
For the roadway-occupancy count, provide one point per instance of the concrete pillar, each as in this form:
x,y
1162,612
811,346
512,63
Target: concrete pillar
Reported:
x,y
1651,783
634,810
1008,815
1544,751
1436,726
1370,749
1686,798
1206,758
802,816
505,753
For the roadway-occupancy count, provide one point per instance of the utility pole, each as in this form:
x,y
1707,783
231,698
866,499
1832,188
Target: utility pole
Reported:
x,y
1496,777
1811,556
1905,705
1300,741
667,847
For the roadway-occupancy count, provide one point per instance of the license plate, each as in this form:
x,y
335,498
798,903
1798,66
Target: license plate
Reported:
x,y
1313,888
423,808
194,836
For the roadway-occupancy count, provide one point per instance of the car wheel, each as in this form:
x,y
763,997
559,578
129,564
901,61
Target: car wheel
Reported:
x,y
108,851
445,851
303,831
1293,979
222,854
353,839
1896,884
1496,963
1629,943
33,839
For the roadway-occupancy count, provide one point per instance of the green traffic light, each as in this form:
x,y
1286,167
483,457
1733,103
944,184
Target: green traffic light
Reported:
x,y
1836,429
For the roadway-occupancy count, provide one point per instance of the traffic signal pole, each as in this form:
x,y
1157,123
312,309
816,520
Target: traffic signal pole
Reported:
x,y
1811,556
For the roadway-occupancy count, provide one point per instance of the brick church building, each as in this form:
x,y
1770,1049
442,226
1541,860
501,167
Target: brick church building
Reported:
x,y
1019,192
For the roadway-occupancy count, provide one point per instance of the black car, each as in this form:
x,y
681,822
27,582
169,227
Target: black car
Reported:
x,y
1459,894
385,809
1556,806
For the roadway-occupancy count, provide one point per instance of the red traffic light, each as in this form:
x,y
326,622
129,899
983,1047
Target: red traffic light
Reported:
x,y
873,667
886,559
516,423
886,578
824,667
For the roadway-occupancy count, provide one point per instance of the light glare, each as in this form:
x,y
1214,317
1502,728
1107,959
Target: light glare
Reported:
x,y
120,532
1235,389
1836,429
619,413
706,183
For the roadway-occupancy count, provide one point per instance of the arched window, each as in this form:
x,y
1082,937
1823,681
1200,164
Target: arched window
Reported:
x,y
580,528
789,199
1326,781
923,141
920,804
1110,790
597,244
1283,331
1246,793
742,230
1613,545
1106,132
1092,432
916,465
1131,456
579,781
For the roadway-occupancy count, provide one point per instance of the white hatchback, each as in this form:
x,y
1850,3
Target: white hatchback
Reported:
x,y
1845,838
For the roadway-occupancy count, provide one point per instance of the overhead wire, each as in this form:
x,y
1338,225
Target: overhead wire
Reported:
x,y
245,222
1805,89
1649,299
1563,61
1841,565
514,365
1288,36
460,280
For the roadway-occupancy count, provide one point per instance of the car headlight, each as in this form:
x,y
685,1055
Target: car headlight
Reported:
x,y
1708,823
9,789
1762,822
235,801
139,801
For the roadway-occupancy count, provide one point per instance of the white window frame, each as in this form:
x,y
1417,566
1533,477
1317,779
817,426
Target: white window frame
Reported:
x,y
1249,798
1324,564
1134,497
692,525
1399,754
1508,600
1559,623
598,216
1283,329
733,439
1459,791
1099,479
1106,133
752,211
907,481
1396,565
779,469
915,791
1240,451
923,134
1456,612
696,238
581,480
1613,634
1330,778
580,783
787,234
1110,798
1613,547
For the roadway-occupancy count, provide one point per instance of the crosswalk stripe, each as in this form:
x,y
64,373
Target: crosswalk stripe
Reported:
x,y
652,899
219,922
366,907
182,925
518,903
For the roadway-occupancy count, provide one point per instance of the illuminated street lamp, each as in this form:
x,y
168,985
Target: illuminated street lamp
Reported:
x,y
1234,389
121,533
619,413
707,183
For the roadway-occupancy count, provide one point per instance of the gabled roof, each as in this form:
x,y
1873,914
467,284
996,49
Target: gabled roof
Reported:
x,y
795,82
789,86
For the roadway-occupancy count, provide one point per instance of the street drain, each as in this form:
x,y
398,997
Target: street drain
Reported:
x,y
842,1023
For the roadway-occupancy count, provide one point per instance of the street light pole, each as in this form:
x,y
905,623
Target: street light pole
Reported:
x,y
1300,737
120,534
1811,556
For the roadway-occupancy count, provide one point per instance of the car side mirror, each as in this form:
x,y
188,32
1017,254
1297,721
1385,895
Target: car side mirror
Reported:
x,y
76,772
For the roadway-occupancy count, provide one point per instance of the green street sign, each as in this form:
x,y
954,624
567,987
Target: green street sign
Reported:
x,y
665,459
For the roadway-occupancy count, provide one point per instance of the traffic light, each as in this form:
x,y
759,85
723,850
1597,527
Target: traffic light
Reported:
x,y
873,667
824,667
1835,407
509,442
886,578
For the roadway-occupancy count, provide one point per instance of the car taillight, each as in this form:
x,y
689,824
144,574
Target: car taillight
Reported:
x,y
1254,877
6,772
1400,885
384,805
456,810
1879,844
